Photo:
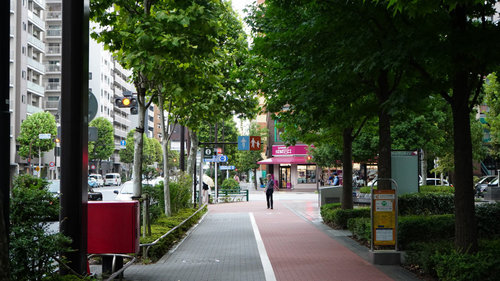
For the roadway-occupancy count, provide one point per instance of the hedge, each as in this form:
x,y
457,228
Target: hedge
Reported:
x,y
426,204
163,225
338,218
437,189
487,220
411,229
442,261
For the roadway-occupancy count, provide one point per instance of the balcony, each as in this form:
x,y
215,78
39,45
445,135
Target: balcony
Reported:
x,y
54,51
53,86
51,105
35,65
54,15
54,33
40,3
52,68
35,88
30,109
37,43
36,20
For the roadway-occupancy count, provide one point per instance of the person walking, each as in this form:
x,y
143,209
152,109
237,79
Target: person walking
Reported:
x,y
269,191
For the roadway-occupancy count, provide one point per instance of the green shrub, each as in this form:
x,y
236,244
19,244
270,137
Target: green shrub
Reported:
x,y
230,183
367,189
425,228
483,265
426,204
180,193
330,206
360,228
487,220
338,217
165,224
423,254
32,249
437,189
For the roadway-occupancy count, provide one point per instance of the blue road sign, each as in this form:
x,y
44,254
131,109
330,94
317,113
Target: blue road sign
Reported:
x,y
243,142
221,158
123,143
227,167
213,159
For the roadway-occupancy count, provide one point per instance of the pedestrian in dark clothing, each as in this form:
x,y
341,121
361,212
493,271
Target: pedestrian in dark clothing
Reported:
x,y
269,191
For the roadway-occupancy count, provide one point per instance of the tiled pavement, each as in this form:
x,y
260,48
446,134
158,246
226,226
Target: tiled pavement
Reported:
x,y
224,246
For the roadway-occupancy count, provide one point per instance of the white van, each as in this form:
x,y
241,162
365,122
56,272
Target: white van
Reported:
x,y
98,178
112,179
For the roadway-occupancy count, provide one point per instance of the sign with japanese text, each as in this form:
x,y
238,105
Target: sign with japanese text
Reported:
x,y
384,217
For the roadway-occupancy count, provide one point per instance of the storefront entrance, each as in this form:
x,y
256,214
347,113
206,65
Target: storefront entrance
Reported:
x,y
285,177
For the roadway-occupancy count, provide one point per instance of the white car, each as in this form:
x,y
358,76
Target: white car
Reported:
x,y
126,192
437,181
98,178
113,179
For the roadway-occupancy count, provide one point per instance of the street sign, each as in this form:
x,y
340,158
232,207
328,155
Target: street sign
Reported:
x,y
212,159
123,143
221,158
219,150
52,164
44,136
92,167
208,152
243,142
254,142
227,167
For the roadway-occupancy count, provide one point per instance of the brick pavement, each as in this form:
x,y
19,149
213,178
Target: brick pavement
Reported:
x,y
299,247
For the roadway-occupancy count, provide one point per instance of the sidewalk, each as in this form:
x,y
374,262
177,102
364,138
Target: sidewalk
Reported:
x,y
246,241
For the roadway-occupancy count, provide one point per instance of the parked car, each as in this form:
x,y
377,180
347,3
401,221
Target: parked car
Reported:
x,y
483,183
98,178
437,181
55,188
126,192
112,179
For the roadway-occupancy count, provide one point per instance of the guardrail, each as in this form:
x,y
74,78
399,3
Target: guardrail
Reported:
x,y
229,195
113,264
147,246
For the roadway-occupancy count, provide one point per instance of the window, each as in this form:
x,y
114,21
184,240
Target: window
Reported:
x,y
306,173
90,75
53,98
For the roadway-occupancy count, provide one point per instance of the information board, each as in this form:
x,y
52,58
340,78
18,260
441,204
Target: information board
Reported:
x,y
384,217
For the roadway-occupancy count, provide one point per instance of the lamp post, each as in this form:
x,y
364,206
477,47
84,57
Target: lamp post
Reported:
x,y
56,140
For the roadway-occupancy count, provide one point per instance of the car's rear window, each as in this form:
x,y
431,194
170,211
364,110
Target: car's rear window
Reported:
x,y
110,176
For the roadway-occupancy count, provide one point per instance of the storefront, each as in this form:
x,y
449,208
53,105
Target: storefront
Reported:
x,y
291,167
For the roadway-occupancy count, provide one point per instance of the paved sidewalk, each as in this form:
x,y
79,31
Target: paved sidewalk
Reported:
x,y
294,245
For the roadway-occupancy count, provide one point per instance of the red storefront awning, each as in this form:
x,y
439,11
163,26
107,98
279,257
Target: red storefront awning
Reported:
x,y
285,160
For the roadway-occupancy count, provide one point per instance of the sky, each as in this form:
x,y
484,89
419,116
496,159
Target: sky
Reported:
x,y
239,5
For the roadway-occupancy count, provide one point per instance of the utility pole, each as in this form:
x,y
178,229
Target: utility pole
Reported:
x,y
74,131
181,158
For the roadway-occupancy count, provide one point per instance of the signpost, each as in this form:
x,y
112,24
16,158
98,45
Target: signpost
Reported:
x,y
227,167
254,143
384,225
243,143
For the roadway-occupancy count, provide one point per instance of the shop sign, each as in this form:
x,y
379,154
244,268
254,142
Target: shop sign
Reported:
x,y
282,150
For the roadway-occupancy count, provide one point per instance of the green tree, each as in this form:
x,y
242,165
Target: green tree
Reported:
x,y
104,146
30,143
454,45
492,100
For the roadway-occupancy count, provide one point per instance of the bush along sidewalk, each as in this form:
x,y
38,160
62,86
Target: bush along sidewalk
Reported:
x,y
164,224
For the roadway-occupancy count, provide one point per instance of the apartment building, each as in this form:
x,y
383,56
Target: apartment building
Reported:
x,y
26,67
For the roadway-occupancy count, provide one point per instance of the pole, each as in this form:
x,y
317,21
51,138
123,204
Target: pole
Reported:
x,y
200,184
39,162
181,158
5,141
194,181
74,132
216,193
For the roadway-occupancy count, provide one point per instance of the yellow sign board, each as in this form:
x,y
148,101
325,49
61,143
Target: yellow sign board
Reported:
x,y
384,217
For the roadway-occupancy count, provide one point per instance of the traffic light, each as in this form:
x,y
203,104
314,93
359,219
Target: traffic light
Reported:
x,y
128,102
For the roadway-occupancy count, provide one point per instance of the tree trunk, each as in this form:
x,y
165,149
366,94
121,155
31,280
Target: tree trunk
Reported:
x,y
424,167
139,144
385,141
347,169
465,221
192,153
164,143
